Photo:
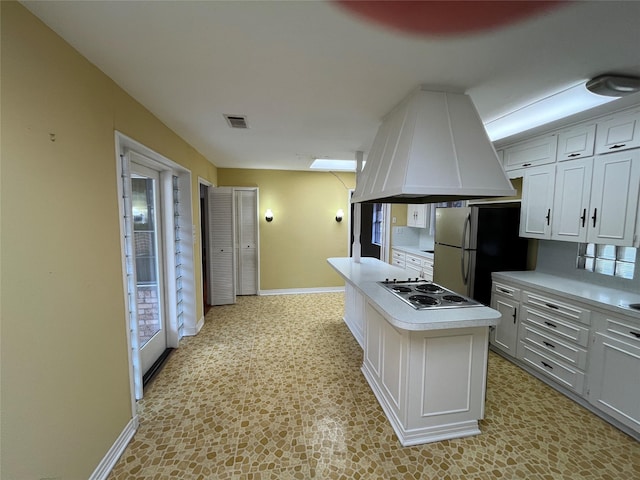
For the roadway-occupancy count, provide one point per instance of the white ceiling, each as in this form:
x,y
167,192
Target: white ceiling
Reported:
x,y
314,80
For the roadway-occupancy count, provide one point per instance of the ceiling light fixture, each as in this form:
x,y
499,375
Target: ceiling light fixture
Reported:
x,y
612,85
568,101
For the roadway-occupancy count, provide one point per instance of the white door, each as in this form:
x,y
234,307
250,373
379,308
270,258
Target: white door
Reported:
x,y
221,240
246,245
148,248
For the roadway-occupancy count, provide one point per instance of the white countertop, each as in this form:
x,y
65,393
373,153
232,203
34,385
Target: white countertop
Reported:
x,y
365,275
593,295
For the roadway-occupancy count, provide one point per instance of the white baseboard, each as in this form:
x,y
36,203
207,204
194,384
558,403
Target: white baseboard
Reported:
x,y
295,291
104,468
190,332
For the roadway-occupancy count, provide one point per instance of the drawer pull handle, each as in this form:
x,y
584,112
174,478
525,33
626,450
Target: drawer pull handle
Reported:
x,y
526,164
550,324
618,146
547,365
635,334
550,345
503,290
551,305
571,155
584,216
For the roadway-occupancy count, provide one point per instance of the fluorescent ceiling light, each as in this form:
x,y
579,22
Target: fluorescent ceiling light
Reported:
x,y
334,164
571,100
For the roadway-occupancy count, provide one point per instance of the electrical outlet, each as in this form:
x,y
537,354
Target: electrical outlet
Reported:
x,y
393,219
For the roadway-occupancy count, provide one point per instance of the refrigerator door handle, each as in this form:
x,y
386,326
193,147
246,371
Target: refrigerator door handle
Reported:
x,y
464,271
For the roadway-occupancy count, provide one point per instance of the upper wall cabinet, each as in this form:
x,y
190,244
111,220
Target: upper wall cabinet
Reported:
x,y
619,133
537,202
418,215
531,153
576,142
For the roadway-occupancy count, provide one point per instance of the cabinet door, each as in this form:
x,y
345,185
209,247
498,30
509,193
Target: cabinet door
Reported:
x,y
534,152
614,198
576,143
417,215
571,200
505,335
537,200
614,379
620,133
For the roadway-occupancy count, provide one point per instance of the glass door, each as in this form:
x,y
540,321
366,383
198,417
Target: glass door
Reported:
x,y
147,228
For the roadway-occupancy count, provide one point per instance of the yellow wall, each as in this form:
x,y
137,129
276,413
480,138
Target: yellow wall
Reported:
x,y
294,247
65,381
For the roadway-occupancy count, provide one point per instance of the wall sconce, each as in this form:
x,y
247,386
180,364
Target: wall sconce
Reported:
x,y
339,215
268,215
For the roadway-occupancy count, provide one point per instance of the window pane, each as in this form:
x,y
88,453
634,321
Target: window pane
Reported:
x,y
624,270
627,254
605,267
606,251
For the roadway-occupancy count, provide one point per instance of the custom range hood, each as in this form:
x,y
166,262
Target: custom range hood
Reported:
x,y
430,148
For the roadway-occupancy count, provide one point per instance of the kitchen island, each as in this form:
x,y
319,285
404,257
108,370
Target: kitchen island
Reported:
x,y
427,368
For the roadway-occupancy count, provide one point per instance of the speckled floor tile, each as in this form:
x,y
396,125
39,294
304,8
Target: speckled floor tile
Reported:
x,y
271,388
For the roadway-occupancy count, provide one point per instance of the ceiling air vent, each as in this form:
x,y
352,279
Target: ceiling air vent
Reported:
x,y
236,121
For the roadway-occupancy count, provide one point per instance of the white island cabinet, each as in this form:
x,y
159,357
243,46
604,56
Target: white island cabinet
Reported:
x,y
427,368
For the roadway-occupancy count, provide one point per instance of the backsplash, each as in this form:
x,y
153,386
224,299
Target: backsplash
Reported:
x,y
559,258
412,237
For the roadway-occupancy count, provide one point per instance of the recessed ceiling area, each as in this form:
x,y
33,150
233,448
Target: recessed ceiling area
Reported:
x,y
314,79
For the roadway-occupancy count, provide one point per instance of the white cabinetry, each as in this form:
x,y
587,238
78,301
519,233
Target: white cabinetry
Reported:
x,y
427,269
418,215
576,142
413,264
554,335
398,258
571,200
506,300
430,384
531,153
614,198
354,311
537,201
614,376
619,133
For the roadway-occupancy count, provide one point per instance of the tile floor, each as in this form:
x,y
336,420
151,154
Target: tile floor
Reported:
x,y
271,389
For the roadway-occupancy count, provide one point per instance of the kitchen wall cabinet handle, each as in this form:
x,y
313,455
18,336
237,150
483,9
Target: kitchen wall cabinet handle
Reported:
x,y
635,334
571,155
526,164
548,217
550,324
550,345
515,314
551,305
595,216
617,145
547,365
584,216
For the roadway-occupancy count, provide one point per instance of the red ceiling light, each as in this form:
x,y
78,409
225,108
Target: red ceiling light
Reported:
x,y
445,17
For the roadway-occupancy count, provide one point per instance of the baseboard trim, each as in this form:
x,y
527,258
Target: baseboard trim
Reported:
x,y
190,332
105,466
296,291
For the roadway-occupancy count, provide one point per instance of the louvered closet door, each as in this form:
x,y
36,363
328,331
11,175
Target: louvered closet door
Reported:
x,y
246,242
221,239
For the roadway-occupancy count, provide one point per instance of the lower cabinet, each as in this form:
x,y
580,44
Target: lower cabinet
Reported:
x,y
589,353
354,311
430,384
614,376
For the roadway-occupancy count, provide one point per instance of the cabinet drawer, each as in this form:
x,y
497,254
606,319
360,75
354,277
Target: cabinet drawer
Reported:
x,y
398,262
619,133
622,329
415,262
556,326
557,308
537,151
576,143
565,352
505,290
568,377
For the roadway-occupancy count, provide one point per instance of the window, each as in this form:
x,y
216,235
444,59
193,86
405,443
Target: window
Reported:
x,y
377,224
607,259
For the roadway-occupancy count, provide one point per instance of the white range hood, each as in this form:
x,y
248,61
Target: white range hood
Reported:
x,y
430,148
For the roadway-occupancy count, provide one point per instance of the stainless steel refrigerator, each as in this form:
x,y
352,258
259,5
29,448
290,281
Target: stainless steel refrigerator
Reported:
x,y
472,242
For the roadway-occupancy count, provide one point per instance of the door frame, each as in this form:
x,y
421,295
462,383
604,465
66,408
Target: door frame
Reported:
x,y
204,239
175,332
